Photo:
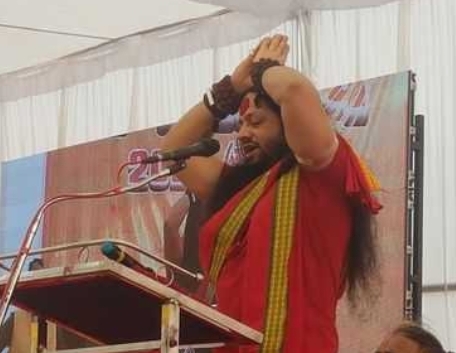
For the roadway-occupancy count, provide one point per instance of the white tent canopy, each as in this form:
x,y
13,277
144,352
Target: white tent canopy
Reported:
x,y
36,31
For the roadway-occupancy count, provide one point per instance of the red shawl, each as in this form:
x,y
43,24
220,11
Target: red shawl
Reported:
x,y
287,286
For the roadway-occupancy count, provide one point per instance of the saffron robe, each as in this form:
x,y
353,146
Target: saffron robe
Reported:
x,y
314,266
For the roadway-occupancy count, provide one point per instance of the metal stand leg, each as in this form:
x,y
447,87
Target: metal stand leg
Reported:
x,y
170,327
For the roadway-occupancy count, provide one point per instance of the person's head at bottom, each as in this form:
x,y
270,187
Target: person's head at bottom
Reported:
x,y
410,338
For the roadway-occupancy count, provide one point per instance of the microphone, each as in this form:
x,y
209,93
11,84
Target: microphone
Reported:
x,y
113,252
204,148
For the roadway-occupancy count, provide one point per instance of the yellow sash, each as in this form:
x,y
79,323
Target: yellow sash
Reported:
x,y
285,205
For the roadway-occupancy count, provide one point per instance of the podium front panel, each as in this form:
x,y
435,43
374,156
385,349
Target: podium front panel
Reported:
x,y
112,304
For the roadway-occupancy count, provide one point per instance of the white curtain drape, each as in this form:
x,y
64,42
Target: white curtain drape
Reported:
x,y
150,79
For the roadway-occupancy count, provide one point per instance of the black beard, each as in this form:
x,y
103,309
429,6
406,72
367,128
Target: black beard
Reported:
x,y
234,178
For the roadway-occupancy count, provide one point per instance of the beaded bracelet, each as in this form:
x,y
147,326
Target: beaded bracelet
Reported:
x,y
222,99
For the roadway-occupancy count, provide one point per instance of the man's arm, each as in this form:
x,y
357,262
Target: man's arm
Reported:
x,y
202,173
308,129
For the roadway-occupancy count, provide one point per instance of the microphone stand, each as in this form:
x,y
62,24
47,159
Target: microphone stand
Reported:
x,y
26,244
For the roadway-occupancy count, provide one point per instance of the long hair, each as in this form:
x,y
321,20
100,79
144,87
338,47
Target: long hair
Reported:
x,y
426,340
361,261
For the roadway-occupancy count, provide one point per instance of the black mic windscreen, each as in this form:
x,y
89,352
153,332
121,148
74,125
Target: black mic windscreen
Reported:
x,y
210,147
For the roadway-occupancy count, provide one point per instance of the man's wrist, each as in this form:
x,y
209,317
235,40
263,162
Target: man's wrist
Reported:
x,y
257,71
240,87
222,99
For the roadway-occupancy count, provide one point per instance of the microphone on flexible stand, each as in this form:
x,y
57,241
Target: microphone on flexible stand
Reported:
x,y
204,148
113,252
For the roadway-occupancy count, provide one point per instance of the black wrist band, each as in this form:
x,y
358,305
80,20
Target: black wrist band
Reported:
x,y
257,72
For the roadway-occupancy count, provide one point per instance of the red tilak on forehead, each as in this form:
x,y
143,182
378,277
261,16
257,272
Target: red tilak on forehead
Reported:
x,y
245,105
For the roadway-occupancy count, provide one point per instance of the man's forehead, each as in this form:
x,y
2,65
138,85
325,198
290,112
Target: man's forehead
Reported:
x,y
247,104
